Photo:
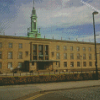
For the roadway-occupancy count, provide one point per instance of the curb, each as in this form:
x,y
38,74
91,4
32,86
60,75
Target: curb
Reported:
x,y
43,91
69,88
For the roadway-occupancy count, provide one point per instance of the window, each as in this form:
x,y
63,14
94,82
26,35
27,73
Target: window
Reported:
x,y
34,47
40,49
84,49
32,63
58,64
84,64
90,63
58,48
71,56
20,64
89,48
10,45
71,48
0,65
9,55
35,51
65,48
52,53
20,55
84,56
20,45
0,45
78,64
0,54
78,48
65,55
46,50
65,64
90,56
26,53
58,55
46,47
78,56
10,65
72,64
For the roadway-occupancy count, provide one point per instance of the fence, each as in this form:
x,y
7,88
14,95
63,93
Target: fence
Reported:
x,y
45,73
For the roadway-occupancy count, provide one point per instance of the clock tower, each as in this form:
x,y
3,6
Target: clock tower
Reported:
x,y
34,31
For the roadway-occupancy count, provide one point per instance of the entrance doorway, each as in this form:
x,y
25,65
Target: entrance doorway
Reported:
x,y
43,65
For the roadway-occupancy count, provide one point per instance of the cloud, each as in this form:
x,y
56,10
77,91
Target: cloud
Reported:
x,y
51,13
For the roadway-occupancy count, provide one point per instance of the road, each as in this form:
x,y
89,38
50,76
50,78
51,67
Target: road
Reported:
x,y
19,92
91,93
14,92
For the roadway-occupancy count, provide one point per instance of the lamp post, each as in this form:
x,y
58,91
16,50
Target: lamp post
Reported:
x,y
94,13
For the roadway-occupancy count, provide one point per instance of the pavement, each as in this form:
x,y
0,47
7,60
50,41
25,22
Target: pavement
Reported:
x,y
24,92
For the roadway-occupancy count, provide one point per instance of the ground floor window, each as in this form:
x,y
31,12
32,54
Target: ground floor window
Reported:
x,y
0,65
78,64
90,63
72,64
10,65
65,64
84,64
19,64
0,54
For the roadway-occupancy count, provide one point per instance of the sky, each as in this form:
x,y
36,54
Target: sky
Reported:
x,y
59,19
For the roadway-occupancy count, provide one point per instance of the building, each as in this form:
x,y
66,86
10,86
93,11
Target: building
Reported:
x,y
35,53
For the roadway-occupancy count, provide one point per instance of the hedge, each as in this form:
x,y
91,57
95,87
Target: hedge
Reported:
x,y
46,78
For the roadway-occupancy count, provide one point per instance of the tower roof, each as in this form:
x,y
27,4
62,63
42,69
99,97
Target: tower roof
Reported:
x,y
33,10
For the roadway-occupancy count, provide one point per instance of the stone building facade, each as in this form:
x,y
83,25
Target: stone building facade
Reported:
x,y
46,54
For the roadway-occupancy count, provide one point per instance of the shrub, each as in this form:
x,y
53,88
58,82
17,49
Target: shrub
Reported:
x,y
46,78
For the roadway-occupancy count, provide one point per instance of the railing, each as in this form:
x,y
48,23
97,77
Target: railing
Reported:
x,y
45,73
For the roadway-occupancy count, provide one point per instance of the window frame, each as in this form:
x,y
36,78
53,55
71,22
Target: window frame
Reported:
x,y
0,44
71,64
71,48
0,54
10,45
90,64
65,55
20,45
10,66
65,47
71,55
10,55
21,64
90,56
78,64
20,56
78,48
84,64
0,65
57,47
58,56
65,64
84,48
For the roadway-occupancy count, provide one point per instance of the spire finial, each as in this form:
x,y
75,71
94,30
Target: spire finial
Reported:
x,y
33,3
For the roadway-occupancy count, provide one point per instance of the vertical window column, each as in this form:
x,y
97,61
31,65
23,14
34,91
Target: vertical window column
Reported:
x,y
0,54
10,55
46,52
40,50
34,52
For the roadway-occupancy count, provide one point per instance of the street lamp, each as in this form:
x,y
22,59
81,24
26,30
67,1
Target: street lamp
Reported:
x,y
94,13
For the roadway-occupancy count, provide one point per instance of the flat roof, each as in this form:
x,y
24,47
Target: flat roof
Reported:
x,y
44,39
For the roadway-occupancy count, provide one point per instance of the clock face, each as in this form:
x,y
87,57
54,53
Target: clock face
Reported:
x,y
34,20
